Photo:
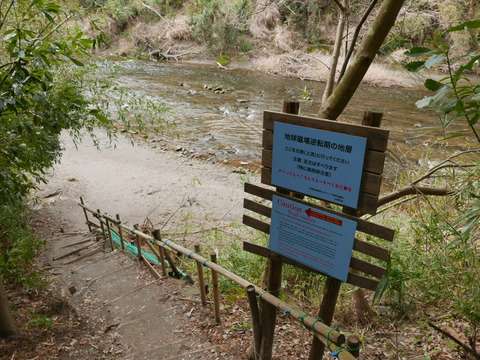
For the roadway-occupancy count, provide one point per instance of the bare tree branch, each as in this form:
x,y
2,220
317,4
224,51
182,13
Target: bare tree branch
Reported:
x,y
157,13
443,166
454,338
412,190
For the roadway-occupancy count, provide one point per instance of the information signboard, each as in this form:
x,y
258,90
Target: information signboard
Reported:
x,y
319,163
312,237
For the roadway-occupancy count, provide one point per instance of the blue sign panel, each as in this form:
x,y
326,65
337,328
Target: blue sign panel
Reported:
x,y
312,237
319,163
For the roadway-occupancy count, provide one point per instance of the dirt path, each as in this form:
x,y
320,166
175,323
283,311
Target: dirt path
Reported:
x,y
135,317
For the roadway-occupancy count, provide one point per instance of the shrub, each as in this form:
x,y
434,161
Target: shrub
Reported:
x,y
18,247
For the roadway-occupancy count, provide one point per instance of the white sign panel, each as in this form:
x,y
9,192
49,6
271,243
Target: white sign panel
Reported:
x,y
319,163
312,237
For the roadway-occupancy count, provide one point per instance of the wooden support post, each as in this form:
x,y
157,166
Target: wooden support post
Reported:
x,y
255,317
268,315
112,244
138,241
372,118
363,309
162,252
216,294
327,309
86,215
120,231
353,343
291,107
332,287
201,279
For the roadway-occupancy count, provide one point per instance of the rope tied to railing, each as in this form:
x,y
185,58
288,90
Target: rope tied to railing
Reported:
x,y
293,307
334,338
342,348
264,292
336,352
319,319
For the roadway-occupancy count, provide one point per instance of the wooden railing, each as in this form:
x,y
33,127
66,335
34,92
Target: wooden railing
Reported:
x,y
160,248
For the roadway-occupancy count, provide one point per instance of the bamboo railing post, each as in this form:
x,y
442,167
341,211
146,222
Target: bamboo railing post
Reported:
x,y
86,215
112,245
162,252
216,295
322,330
353,343
255,317
138,241
201,279
269,311
99,217
120,232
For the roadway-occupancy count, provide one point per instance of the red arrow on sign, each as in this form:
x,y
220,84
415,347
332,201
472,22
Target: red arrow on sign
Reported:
x,y
323,217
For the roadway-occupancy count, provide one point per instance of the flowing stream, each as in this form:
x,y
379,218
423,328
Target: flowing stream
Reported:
x,y
227,123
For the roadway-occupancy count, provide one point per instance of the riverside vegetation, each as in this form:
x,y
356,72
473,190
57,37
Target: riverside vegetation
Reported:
x,y
434,270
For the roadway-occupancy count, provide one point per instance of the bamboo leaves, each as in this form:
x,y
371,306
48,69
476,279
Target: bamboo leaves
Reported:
x,y
456,96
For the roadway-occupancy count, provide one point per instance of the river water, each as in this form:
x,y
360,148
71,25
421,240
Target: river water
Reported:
x,y
229,124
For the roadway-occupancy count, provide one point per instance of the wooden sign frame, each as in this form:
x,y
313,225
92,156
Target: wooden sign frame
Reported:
x,y
364,270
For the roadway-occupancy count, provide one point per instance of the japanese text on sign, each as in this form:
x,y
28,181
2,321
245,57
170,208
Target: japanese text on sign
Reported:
x,y
319,163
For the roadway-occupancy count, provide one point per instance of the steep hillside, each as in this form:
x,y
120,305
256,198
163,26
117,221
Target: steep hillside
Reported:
x,y
283,36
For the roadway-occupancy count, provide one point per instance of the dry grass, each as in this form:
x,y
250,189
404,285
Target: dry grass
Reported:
x,y
180,29
385,76
316,66
264,20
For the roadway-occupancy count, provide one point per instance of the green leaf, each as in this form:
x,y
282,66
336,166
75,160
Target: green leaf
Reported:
x,y
448,106
470,224
475,24
49,17
76,62
10,34
97,113
425,102
454,136
475,119
419,51
382,287
433,85
415,66
434,60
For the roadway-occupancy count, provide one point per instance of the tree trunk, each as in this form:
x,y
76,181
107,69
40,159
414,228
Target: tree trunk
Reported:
x,y
369,47
336,49
7,325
